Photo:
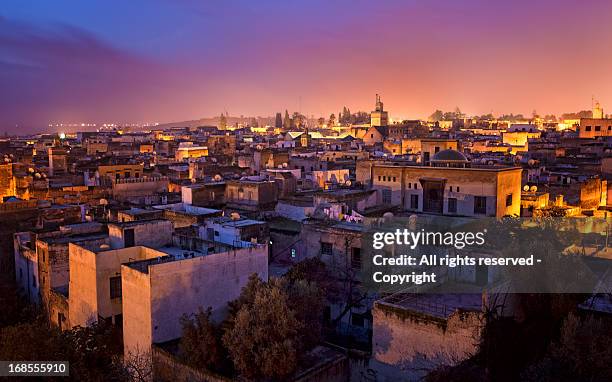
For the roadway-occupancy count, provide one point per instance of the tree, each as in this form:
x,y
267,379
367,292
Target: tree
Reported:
x,y
437,115
287,121
278,121
332,120
321,122
298,120
201,341
222,122
94,352
263,342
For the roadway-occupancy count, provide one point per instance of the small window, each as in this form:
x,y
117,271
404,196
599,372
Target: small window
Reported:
x,y
480,205
409,185
415,186
386,196
597,128
414,202
326,248
356,258
115,287
379,178
394,179
508,200
452,205
588,128
457,188
451,188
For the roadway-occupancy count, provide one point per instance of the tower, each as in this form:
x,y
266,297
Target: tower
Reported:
x,y
598,111
379,117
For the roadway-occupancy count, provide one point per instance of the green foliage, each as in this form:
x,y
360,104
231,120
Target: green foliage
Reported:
x,y
582,353
201,341
93,352
263,341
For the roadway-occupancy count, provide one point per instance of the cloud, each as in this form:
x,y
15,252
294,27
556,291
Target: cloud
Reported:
x,y
61,71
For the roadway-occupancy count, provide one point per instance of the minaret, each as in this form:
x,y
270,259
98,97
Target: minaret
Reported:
x,y
598,111
379,117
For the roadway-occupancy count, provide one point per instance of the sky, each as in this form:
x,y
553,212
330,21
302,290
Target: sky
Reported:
x,y
173,60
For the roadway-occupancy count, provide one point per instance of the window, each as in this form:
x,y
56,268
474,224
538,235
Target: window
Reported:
x,y
326,248
457,189
414,202
436,149
452,205
356,258
480,205
386,196
416,186
588,128
371,135
597,128
379,178
409,185
127,174
451,188
508,200
394,179
115,287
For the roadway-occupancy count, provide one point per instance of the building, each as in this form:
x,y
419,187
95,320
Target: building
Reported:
x,y
432,146
449,187
204,194
188,151
418,333
58,162
230,231
151,233
157,292
124,171
252,195
379,117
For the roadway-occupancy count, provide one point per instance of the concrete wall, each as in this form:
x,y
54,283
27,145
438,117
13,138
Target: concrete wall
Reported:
x,y
495,185
150,233
90,274
83,300
137,324
415,342
181,287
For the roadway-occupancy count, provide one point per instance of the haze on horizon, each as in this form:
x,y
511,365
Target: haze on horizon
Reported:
x,y
164,60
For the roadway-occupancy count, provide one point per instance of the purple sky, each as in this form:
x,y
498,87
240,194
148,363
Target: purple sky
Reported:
x,y
172,60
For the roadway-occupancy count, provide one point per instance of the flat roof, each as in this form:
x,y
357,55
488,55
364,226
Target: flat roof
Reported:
x,y
480,168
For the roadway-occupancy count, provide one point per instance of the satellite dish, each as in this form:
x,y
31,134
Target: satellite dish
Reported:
x,y
348,183
285,165
533,188
526,188
235,216
104,246
103,202
218,178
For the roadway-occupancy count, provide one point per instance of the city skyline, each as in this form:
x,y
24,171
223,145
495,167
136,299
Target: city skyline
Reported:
x,y
176,61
